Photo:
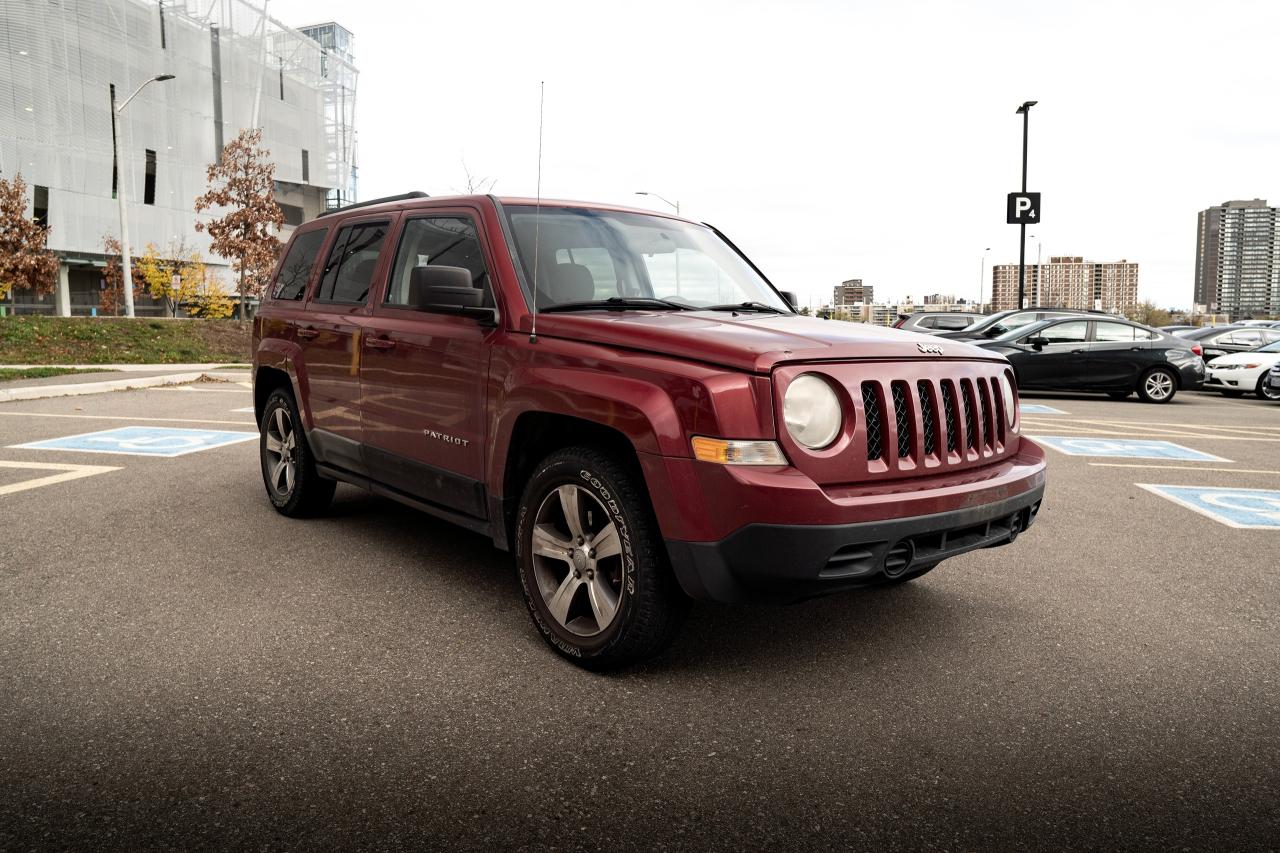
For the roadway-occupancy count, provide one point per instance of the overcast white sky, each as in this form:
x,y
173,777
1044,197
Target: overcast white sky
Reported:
x,y
844,139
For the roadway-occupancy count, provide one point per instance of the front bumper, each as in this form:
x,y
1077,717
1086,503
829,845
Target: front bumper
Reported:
x,y
768,560
1229,379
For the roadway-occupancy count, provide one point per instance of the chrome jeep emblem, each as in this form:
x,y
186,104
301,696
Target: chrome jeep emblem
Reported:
x,y
930,348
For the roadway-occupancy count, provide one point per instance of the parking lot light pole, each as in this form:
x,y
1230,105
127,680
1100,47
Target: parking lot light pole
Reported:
x,y
982,273
675,204
126,265
1025,112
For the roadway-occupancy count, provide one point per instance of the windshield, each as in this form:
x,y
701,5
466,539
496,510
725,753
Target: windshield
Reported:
x,y
631,259
1021,329
1269,348
1011,323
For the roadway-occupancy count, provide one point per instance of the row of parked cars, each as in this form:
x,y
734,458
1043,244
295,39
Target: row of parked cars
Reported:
x,y
1073,350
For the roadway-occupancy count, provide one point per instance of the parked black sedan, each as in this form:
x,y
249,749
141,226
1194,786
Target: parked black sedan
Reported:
x,y
1112,355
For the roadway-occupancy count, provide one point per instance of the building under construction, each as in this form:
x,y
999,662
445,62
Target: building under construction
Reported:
x,y
233,67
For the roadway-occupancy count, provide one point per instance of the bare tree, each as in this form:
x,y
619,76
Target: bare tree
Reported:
x,y
243,182
477,185
25,260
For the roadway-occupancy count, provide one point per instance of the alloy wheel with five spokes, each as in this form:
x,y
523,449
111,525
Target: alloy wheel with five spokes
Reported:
x,y
577,560
281,451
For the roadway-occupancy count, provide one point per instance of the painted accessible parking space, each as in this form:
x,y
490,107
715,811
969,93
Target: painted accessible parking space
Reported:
x,y
1038,409
1251,509
143,441
1125,448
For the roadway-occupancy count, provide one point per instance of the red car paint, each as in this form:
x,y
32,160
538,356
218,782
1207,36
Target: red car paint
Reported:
x,y
387,387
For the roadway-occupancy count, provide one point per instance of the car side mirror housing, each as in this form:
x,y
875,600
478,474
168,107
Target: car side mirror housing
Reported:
x,y
790,297
446,290
1038,342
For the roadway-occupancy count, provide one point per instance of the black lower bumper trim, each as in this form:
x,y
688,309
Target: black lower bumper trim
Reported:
x,y
773,562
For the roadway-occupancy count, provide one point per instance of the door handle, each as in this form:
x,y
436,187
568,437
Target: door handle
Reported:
x,y
308,333
1077,352
379,343
1135,349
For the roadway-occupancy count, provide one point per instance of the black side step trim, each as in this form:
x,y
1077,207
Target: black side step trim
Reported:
x,y
476,525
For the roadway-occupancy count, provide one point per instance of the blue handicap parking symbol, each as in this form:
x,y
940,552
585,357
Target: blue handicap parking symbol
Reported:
x,y
1038,409
1127,448
143,441
1257,509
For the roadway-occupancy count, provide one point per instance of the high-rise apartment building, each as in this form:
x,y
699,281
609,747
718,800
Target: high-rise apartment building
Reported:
x,y
233,68
1068,282
1238,259
852,292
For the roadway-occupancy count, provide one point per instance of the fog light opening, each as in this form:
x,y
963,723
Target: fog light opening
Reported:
x,y
899,558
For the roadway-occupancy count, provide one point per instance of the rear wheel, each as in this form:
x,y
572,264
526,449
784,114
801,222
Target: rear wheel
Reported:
x,y
1158,385
1264,390
592,563
288,468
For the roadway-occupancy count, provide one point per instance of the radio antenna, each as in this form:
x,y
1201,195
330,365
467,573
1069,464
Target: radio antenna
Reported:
x,y
537,215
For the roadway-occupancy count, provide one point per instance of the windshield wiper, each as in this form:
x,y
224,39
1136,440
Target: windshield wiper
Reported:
x,y
616,303
746,306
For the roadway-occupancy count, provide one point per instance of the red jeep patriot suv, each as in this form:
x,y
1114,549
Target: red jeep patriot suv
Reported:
x,y
623,400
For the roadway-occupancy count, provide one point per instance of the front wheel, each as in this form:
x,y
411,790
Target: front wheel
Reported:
x,y
1158,385
1265,391
592,563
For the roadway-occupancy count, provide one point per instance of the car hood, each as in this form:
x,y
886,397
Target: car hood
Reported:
x,y
751,341
1227,362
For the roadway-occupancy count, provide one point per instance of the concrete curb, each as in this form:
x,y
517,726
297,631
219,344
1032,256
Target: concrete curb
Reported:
x,y
41,392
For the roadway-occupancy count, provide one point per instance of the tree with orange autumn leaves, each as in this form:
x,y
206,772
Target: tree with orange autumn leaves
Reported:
x,y
25,260
243,183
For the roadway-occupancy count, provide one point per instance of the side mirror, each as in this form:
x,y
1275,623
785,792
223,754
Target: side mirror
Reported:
x,y
791,298
446,290
1038,342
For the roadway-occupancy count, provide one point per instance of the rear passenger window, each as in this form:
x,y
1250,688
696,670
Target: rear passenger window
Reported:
x,y
928,323
1112,332
348,272
952,324
298,263
444,241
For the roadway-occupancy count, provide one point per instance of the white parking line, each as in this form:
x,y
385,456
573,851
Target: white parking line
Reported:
x,y
1182,468
126,418
69,472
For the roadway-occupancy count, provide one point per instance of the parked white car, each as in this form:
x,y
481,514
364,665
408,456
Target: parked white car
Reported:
x,y
1244,373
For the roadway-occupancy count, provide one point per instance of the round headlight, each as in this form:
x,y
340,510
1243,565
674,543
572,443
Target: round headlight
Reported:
x,y
812,411
1010,399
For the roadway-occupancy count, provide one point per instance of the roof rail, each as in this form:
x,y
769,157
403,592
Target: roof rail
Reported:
x,y
373,201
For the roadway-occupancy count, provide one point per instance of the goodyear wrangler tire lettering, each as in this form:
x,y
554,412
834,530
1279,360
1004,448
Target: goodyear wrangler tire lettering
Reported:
x,y
591,562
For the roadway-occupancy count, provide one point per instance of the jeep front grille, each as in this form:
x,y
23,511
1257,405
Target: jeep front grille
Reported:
x,y
927,404
871,405
912,418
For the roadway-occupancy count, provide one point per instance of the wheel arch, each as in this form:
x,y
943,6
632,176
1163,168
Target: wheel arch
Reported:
x,y
535,435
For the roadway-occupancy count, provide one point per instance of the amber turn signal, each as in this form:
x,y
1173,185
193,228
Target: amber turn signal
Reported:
x,y
726,451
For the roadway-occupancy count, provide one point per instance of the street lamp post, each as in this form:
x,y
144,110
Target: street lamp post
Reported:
x,y
125,264
1025,112
675,204
982,272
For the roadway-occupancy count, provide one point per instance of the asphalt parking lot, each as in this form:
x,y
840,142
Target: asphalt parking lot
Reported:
x,y
182,668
